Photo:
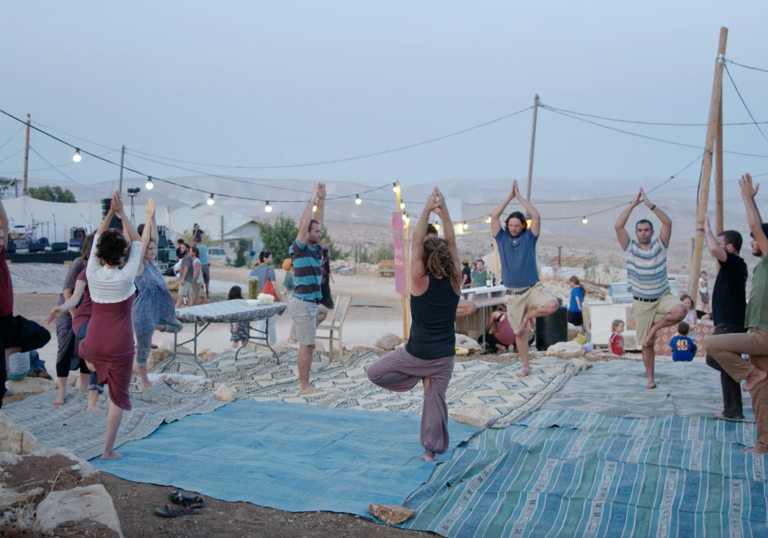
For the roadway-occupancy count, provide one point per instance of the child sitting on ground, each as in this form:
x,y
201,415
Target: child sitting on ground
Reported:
x,y
616,341
239,330
683,348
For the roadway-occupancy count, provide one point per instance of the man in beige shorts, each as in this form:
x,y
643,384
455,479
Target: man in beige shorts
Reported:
x,y
525,297
648,281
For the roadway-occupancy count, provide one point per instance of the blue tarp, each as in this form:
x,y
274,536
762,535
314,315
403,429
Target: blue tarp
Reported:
x,y
285,456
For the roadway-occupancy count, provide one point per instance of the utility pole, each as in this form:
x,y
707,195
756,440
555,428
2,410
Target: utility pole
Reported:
x,y
706,172
26,161
533,143
719,172
404,299
120,181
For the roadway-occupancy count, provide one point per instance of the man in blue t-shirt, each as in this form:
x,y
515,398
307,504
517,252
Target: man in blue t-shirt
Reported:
x,y
525,297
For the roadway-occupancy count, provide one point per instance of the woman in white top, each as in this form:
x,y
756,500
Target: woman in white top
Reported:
x,y
108,344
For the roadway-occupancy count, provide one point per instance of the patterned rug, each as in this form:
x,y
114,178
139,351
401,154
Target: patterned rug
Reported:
x,y
564,473
256,376
82,432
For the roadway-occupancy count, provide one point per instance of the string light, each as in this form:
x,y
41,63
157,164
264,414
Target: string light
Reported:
x,y
396,187
488,220
465,225
149,185
402,205
77,157
584,220
314,208
406,218
268,208
358,200
437,226
210,200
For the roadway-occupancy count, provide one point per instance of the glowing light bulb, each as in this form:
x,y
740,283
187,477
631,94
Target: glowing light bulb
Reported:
x,y
437,226
149,185
584,220
210,200
396,187
77,157
314,208
268,208
402,205
358,200
465,225
488,219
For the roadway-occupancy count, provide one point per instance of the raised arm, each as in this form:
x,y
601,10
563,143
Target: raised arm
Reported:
x,y
621,222
306,217
448,231
530,210
69,304
712,245
754,220
499,209
146,235
419,279
4,223
666,223
105,223
128,229
320,213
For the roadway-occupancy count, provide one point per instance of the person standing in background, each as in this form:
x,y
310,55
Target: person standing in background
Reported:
x,y
205,265
264,272
325,286
704,291
480,275
466,274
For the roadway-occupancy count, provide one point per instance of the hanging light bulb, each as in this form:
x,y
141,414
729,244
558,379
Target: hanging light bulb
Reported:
x,y
149,185
584,220
268,208
77,157
406,218
437,226
210,200
314,208
402,205
488,219
465,225
396,187
358,200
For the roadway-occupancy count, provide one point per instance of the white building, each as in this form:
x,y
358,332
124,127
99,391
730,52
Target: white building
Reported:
x,y
221,227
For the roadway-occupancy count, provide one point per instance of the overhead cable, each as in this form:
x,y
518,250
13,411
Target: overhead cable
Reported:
x,y
744,103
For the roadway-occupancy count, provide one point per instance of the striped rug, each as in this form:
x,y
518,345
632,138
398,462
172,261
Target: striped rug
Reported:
x,y
565,473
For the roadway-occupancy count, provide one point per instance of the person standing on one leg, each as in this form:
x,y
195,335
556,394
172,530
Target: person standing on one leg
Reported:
x,y
429,353
726,349
729,304
647,277
526,298
304,305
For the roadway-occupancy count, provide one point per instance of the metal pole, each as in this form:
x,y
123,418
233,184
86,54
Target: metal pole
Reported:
x,y
120,181
26,161
533,143
706,172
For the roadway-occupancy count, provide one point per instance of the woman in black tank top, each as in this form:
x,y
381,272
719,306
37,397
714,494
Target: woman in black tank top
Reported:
x,y
429,353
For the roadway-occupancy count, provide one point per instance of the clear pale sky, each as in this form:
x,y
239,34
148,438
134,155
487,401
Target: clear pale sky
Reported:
x,y
271,83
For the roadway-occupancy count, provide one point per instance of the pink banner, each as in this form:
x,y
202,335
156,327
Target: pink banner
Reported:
x,y
398,245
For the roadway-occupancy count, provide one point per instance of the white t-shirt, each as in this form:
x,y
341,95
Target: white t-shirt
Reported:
x,y
703,285
198,267
112,285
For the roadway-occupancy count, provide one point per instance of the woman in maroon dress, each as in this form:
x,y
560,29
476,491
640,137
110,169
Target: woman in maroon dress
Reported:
x,y
108,344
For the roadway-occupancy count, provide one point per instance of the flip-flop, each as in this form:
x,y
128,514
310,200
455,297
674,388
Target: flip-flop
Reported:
x,y
169,511
186,499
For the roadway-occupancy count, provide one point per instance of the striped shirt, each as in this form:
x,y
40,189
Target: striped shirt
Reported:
x,y
307,271
647,269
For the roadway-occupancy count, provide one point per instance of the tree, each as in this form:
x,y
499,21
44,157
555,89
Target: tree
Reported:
x,y
52,194
278,237
242,248
336,254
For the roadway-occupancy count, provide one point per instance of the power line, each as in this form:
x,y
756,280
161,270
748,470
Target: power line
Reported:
x,y
747,67
728,72
70,163
62,173
555,109
547,107
9,156
12,137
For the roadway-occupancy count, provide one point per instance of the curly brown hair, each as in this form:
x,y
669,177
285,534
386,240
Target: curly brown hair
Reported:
x,y
439,260
85,248
112,247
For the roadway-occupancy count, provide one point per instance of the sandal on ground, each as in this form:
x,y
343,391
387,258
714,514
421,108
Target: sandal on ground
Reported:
x,y
170,511
153,346
186,499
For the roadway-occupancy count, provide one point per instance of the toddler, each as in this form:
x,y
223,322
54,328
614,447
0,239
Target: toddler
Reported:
x,y
683,348
239,330
616,341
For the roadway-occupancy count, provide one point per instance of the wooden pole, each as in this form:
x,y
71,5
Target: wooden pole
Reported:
x,y
706,172
26,161
120,181
404,298
533,143
719,171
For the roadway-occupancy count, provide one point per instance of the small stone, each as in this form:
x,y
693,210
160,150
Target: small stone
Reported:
x,y
391,514
223,394
565,350
472,415
388,341
581,365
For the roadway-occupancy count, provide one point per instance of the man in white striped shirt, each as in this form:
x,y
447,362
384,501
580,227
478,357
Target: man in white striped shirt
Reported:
x,y
647,278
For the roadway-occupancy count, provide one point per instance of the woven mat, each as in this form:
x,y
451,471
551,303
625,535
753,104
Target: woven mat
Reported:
x,y
256,376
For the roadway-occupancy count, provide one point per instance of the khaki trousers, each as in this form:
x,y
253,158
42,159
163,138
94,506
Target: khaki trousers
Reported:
x,y
726,349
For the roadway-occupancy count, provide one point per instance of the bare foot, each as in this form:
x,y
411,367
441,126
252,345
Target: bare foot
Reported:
x,y
425,382
92,408
723,416
651,384
309,390
428,458
59,400
111,455
754,451
524,372
719,415
146,386
755,377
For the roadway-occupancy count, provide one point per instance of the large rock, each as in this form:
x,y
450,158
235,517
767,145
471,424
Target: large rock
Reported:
x,y
31,385
15,439
223,394
206,355
388,342
392,514
67,508
468,343
565,350
472,415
